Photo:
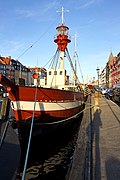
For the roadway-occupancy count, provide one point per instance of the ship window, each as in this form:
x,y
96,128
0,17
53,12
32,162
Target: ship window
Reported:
x,y
1,67
55,72
50,72
61,72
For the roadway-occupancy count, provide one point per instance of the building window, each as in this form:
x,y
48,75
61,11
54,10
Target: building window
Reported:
x,y
50,72
61,72
55,72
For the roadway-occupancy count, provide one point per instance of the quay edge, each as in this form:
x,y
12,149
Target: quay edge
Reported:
x,y
10,151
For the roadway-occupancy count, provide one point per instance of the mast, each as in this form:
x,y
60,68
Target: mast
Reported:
x,y
62,15
62,39
75,56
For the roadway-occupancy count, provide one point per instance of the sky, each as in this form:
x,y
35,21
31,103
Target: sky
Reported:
x,y
28,27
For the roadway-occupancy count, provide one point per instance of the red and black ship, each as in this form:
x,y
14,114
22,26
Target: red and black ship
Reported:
x,y
52,105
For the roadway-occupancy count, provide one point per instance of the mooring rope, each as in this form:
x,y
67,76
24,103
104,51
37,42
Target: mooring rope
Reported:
x,y
30,135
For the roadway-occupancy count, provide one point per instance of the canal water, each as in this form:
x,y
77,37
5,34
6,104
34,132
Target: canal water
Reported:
x,y
50,155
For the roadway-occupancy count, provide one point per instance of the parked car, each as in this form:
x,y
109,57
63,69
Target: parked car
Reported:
x,y
104,91
109,93
3,92
116,93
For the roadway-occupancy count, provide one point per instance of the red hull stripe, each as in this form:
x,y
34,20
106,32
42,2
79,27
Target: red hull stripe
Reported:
x,y
43,94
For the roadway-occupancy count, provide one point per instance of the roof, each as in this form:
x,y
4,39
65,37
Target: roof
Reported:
x,y
110,56
5,60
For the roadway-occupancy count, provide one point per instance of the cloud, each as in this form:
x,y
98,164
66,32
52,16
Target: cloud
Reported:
x,y
37,11
87,3
26,13
50,6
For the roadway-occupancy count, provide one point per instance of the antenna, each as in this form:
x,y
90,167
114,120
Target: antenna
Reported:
x,y
63,14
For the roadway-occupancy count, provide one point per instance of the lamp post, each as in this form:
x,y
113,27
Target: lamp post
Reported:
x,y
97,69
98,75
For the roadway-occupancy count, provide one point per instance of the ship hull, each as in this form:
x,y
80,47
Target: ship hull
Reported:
x,y
49,108
54,110
54,124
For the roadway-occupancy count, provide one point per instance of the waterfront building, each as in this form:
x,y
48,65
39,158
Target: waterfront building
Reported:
x,y
103,78
110,70
15,71
118,68
110,75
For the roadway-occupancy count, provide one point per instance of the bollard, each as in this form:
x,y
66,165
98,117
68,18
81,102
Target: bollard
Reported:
x,y
97,94
3,108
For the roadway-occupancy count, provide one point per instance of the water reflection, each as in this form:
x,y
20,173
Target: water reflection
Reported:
x,y
50,155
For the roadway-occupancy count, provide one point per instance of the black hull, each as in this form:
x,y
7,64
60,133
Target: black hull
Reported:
x,y
43,129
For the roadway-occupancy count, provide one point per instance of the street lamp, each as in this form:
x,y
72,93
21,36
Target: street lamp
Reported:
x,y
98,75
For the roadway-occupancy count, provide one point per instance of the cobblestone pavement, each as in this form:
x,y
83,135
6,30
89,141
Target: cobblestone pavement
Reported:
x,y
106,139
97,153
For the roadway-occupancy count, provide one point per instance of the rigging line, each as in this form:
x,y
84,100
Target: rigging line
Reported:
x,y
57,53
30,135
69,58
38,38
56,60
52,59
80,68
48,61
52,63
57,57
